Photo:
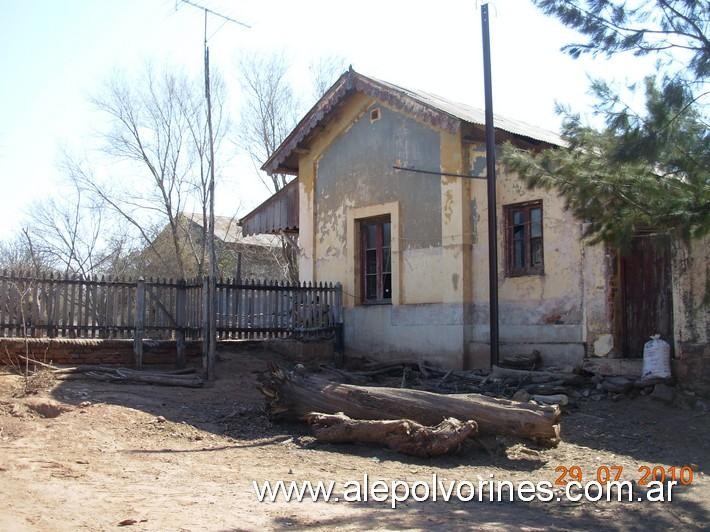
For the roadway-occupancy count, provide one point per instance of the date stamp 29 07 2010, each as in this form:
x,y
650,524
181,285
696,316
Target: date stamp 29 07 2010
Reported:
x,y
611,473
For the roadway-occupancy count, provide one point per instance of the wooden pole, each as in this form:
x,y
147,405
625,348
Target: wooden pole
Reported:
x,y
238,273
139,324
180,311
205,322
210,309
212,345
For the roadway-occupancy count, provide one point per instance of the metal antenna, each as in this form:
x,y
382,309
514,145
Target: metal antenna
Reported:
x,y
215,13
208,360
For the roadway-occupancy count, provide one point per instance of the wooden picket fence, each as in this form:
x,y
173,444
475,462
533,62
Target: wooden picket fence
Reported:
x,y
276,309
57,306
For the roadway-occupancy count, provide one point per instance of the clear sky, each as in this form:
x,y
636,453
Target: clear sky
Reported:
x,y
56,54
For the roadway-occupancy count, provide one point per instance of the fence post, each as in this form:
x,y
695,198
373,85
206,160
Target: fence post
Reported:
x,y
139,324
50,288
205,322
339,348
180,360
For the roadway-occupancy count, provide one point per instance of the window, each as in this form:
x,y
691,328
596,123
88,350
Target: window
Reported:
x,y
523,238
376,260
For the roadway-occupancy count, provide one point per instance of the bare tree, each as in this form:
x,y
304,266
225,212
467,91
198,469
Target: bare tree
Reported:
x,y
15,254
157,130
324,72
64,233
269,113
193,106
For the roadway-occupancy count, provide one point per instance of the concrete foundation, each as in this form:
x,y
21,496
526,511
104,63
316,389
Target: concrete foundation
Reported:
x,y
437,333
420,332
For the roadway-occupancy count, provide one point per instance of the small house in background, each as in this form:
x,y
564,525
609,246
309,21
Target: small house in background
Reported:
x,y
379,205
261,256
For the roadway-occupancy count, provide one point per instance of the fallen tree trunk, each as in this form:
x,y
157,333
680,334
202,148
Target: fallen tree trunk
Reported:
x,y
296,395
401,435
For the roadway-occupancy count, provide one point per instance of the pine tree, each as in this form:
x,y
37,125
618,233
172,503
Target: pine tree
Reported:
x,y
640,171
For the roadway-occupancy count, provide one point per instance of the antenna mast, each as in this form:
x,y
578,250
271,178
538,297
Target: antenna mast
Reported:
x,y
208,358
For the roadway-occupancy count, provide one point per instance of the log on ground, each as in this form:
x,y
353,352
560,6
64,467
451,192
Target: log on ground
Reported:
x,y
294,395
401,435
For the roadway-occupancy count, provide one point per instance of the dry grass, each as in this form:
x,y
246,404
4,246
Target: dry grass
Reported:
x,y
38,381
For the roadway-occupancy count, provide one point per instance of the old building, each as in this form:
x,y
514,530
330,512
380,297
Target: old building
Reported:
x,y
260,254
381,207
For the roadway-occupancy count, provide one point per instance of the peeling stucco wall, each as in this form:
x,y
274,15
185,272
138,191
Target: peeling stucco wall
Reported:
x,y
558,313
355,171
352,177
440,259
690,271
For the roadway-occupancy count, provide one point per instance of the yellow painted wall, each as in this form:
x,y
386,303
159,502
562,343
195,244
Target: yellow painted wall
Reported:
x,y
567,304
353,108
453,272
562,250
331,252
456,281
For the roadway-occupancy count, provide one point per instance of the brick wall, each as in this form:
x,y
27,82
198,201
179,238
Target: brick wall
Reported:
x,y
83,351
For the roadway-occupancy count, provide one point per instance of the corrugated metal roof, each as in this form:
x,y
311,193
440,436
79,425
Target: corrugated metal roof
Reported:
x,y
474,115
278,213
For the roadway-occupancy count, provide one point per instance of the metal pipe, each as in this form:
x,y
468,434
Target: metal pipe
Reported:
x,y
491,187
431,172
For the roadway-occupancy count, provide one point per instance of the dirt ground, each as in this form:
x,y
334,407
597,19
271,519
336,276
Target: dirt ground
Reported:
x,y
184,459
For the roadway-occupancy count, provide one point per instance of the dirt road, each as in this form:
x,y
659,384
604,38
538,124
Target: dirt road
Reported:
x,y
159,458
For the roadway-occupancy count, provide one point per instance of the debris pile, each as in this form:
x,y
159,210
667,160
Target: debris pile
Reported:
x,y
402,405
519,378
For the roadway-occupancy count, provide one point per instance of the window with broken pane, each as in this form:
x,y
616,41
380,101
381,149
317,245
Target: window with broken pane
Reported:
x,y
524,239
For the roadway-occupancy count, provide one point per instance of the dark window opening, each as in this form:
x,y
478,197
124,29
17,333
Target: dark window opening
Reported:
x,y
374,115
523,239
376,260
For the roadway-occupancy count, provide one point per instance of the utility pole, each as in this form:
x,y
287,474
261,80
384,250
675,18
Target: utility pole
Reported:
x,y
212,344
491,188
208,359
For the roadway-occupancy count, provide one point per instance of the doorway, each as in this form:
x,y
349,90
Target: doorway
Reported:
x,y
646,300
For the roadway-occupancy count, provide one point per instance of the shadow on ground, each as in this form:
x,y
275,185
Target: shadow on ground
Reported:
x,y
640,428
232,409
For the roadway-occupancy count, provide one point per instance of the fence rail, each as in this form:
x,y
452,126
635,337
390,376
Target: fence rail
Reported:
x,y
74,307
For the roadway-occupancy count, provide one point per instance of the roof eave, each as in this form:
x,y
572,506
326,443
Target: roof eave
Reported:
x,y
397,97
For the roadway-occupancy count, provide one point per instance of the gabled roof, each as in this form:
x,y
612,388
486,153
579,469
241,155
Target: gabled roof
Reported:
x,y
431,108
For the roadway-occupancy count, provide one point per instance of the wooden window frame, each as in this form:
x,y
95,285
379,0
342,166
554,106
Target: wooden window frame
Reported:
x,y
528,268
379,222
